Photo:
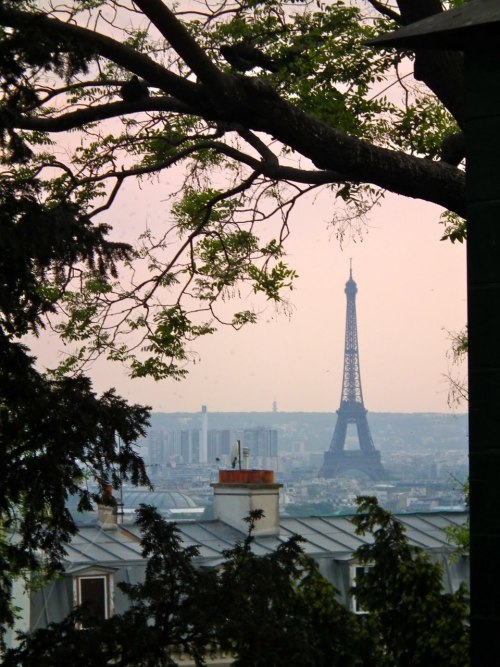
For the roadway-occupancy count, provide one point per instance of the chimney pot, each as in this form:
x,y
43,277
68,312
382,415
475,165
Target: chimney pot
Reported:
x,y
238,492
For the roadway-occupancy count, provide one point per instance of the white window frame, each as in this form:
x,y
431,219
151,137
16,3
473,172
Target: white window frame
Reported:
x,y
353,571
107,577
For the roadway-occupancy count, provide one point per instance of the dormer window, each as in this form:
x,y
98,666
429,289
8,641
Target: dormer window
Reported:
x,y
355,571
93,587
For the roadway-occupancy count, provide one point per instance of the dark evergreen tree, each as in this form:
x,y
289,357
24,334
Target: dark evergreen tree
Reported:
x,y
272,610
171,612
279,611
56,434
416,623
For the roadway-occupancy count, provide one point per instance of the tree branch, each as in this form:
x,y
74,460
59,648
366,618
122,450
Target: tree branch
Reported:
x,y
182,42
119,53
209,206
260,108
255,105
272,170
334,153
386,11
76,119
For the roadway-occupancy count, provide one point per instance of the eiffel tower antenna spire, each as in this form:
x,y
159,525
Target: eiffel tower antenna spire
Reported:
x,y
352,410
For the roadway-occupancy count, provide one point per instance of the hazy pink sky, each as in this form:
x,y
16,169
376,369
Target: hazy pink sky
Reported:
x,y
411,289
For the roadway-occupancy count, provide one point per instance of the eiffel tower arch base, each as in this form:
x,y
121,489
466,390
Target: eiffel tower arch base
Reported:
x,y
336,464
337,459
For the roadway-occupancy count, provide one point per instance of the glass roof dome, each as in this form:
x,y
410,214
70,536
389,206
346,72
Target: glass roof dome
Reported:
x,y
162,500
168,503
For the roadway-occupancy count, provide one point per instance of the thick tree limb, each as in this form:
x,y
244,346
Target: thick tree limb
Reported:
x,y
259,108
76,119
330,150
255,105
182,42
109,48
274,170
385,11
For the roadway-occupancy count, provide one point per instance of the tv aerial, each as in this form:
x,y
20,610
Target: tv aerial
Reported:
x,y
236,455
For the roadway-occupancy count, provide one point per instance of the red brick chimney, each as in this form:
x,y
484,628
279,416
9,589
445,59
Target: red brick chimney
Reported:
x,y
240,491
106,510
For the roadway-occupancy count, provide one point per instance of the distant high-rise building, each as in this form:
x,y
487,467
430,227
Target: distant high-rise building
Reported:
x,y
156,447
204,430
219,443
338,459
263,445
186,445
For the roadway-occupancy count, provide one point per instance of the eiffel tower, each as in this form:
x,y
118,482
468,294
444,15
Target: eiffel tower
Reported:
x,y
352,410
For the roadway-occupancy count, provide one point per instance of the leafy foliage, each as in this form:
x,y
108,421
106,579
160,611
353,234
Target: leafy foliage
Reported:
x,y
455,227
458,385
279,610
271,610
460,535
44,244
401,589
329,114
55,432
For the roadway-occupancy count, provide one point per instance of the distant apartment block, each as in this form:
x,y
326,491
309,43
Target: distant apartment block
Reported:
x,y
165,448
263,445
219,444
184,446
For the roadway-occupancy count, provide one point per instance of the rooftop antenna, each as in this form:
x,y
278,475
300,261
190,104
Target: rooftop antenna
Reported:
x,y
236,455
119,509
246,458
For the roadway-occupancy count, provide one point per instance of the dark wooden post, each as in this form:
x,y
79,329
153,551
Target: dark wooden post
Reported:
x,y
483,307
474,28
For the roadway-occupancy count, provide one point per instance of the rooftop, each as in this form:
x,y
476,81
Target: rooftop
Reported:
x,y
329,536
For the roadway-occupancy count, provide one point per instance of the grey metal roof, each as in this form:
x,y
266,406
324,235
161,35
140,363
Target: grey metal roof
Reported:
x,y
324,534
332,537
92,545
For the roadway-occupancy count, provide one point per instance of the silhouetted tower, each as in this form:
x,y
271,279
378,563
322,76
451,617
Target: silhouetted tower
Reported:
x,y
352,409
